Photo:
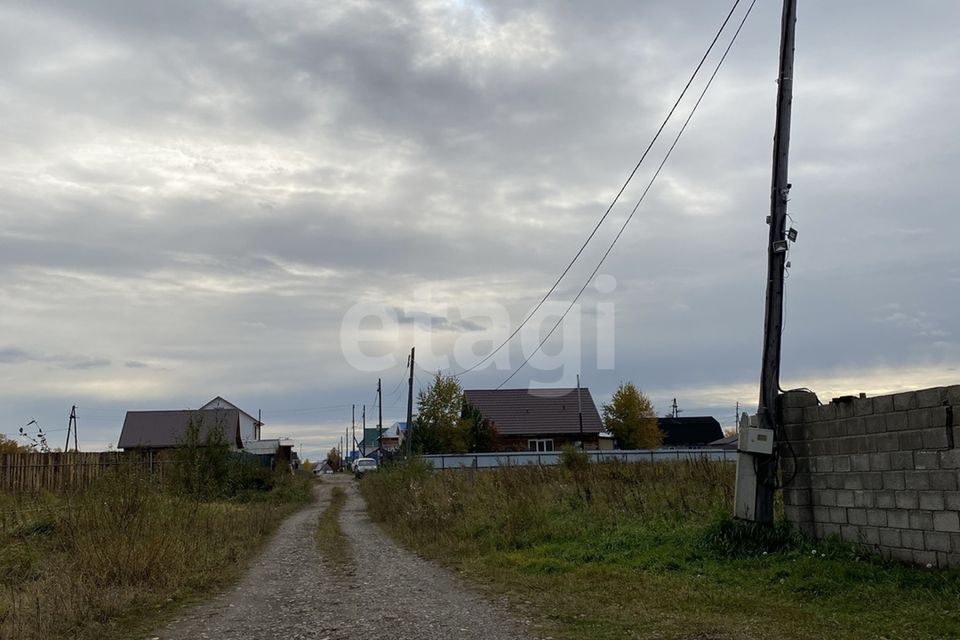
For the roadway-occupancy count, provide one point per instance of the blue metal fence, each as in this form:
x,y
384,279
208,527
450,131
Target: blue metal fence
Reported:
x,y
492,460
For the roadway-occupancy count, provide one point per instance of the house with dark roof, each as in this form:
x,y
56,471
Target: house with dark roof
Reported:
x,y
538,419
155,430
689,432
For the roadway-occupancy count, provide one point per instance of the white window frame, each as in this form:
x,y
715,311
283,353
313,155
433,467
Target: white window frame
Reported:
x,y
540,445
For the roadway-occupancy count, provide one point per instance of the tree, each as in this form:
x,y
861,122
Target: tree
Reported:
x,y
631,418
439,427
334,459
481,435
9,445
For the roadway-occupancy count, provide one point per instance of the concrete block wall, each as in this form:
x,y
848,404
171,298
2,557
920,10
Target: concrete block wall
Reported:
x,y
882,471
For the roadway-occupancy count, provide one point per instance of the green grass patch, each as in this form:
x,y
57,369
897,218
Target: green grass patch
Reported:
x,y
647,551
332,542
113,560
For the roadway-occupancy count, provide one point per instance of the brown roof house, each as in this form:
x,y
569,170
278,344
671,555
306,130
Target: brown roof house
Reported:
x,y
153,430
538,419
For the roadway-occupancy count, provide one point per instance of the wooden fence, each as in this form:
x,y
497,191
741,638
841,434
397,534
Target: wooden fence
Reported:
x,y
36,472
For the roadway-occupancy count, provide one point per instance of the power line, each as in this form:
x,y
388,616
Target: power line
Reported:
x,y
616,198
642,196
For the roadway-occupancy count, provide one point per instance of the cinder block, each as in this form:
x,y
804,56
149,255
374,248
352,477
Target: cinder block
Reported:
x,y
857,516
835,480
932,500
943,480
845,409
926,460
917,480
890,537
946,521
886,442
953,394
880,461
925,558
830,529
810,414
905,401
931,397
864,499
827,412
918,419
850,533
841,464
799,399
844,498
950,459
876,423
894,480
899,518
955,542
823,464
825,498
877,517
872,480
863,406
860,462
912,539
866,444
852,481
911,440
871,535
855,426
901,460
939,416
886,499
921,520
818,481
838,515
896,421
936,541
847,446
907,500
902,555
821,514
952,500
935,438
883,404
797,514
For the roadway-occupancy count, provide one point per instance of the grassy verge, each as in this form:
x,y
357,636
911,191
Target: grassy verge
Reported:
x,y
331,540
112,560
645,551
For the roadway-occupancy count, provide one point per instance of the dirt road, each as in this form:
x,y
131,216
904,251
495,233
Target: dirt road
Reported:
x,y
385,592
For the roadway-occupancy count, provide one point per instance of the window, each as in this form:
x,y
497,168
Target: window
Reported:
x,y
540,445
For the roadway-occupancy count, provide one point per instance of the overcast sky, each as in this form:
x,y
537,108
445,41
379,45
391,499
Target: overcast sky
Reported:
x,y
196,194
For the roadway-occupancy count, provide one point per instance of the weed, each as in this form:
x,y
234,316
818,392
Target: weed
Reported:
x,y
331,540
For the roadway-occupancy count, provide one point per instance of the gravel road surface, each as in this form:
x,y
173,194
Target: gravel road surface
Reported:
x,y
385,593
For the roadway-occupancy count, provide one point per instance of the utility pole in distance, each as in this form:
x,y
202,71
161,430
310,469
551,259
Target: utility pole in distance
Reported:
x,y
380,423
410,403
363,442
763,459
353,425
72,425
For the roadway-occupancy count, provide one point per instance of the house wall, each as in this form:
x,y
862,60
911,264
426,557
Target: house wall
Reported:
x,y
520,443
881,472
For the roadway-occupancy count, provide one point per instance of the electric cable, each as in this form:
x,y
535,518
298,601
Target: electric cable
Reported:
x,y
616,198
642,196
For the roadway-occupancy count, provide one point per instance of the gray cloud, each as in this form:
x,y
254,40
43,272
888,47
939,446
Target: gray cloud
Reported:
x,y
208,187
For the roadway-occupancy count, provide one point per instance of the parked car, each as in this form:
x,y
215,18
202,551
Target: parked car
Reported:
x,y
363,465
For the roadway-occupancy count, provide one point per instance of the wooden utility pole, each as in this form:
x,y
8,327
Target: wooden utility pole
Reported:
x,y
410,403
72,426
766,465
353,425
380,422
363,441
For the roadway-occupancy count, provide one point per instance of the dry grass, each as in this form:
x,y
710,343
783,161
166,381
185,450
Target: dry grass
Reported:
x,y
609,551
114,558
